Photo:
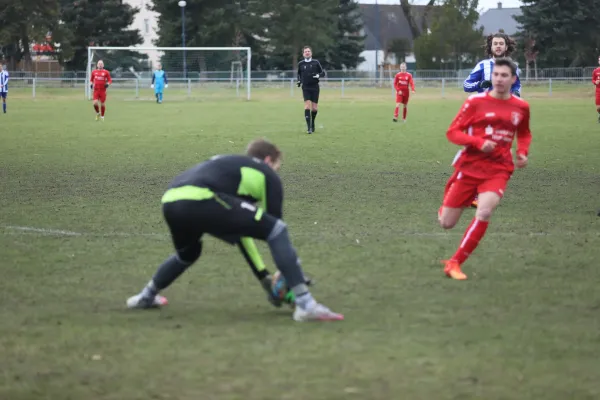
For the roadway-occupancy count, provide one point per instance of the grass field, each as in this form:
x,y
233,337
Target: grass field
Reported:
x,y
81,230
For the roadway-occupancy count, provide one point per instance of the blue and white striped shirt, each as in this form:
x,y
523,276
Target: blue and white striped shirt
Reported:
x,y
4,81
483,72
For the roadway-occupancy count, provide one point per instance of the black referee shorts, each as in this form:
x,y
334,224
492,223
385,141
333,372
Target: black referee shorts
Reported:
x,y
225,217
311,93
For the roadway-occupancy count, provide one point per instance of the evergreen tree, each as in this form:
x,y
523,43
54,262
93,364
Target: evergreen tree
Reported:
x,y
22,24
566,33
101,23
348,43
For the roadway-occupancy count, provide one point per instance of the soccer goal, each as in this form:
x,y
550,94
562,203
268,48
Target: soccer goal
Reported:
x,y
192,72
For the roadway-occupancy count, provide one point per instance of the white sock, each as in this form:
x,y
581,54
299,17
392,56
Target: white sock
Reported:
x,y
306,301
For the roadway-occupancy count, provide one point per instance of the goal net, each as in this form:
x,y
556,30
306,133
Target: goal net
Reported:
x,y
192,72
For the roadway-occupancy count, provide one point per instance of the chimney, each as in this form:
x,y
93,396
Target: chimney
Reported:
x,y
499,5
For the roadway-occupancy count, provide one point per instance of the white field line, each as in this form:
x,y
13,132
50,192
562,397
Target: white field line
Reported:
x,y
31,230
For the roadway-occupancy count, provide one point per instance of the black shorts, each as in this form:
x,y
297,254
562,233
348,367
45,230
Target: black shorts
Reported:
x,y
311,93
225,217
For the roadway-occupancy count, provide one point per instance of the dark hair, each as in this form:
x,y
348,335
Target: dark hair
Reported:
x,y
307,47
511,45
261,149
506,62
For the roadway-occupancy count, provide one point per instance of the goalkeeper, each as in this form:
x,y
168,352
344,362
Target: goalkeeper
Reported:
x,y
159,82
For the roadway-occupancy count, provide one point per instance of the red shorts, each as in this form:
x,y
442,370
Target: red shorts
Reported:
x,y
403,98
461,189
101,96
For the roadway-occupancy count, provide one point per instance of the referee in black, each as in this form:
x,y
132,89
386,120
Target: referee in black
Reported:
x,y
309,73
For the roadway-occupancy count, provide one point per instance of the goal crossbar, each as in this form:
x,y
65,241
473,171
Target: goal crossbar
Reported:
x,y
91,50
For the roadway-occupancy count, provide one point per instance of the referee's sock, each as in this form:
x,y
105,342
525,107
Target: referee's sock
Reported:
x,y
314,116
307,118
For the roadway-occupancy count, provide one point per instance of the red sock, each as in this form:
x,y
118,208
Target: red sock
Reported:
x,y
96,108
404,113
470,240
103,110
396,112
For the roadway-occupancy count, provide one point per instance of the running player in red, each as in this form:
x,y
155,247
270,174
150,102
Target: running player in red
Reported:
x,y
100,80
486,125
401,82
596,81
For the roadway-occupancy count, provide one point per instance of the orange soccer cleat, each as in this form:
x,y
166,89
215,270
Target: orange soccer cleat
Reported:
x,y
452,270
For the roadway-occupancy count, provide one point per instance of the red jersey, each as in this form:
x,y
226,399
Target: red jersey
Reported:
x,y
402,80
596,78
483,117
100,78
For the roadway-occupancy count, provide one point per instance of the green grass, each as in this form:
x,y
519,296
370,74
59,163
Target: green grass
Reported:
x,y
361,201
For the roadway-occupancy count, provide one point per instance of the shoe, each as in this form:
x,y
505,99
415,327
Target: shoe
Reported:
x,y
97,117
395,119
102,119
309,131
452,270
403,121
317,312
138,301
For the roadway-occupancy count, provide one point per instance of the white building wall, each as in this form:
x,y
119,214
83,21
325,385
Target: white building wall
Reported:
x,y
146,22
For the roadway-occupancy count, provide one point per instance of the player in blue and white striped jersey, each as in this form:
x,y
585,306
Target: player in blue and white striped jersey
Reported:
x,y
496,45
3,87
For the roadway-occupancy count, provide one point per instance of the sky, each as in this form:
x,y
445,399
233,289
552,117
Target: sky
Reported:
x,y
483,4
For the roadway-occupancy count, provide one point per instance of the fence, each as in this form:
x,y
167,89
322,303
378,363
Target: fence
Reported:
x,y
132,89
535,74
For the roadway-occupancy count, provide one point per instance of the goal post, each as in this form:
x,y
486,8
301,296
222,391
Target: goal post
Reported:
x,y
192,72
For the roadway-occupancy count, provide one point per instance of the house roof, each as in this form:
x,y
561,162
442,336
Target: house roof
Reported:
x,y
495,19
392,23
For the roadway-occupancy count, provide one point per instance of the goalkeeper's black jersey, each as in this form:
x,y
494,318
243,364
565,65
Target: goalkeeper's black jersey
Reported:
x,y
237,175
307,69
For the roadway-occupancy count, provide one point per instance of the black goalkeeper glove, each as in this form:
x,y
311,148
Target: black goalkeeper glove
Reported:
x,y
106,86
485,84
298,83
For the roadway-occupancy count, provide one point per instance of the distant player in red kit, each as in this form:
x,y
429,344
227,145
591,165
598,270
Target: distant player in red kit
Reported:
x,y
401,82
100,80
486,125
596,81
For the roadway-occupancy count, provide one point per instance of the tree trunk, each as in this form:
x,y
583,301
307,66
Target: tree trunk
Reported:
x,y
527,69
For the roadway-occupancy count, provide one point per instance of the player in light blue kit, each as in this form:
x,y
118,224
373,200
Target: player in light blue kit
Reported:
x,y
159,82
496,45
3,87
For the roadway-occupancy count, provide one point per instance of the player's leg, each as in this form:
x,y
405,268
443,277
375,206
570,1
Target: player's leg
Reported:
x,y
102,105
96,105
186,239
405,107
397,108
4,95
315,107
458,194
307,107
244,219
490,193
160,93
598,105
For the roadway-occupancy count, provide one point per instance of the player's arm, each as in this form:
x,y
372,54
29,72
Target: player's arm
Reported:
x,y
412,82
473,82
92,76
252,256
516,88
108,79
165,78
456,132
153,78
299,75
273,203
524,135
321,72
